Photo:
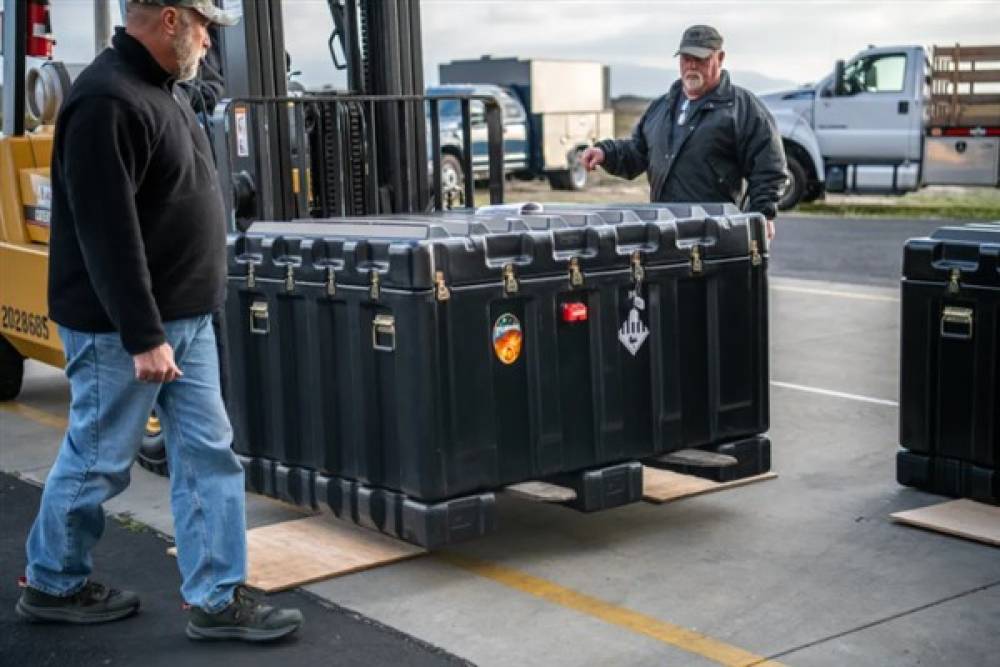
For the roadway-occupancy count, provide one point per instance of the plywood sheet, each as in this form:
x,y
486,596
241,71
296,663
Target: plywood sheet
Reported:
x,y
294,553
962,518
541,492
660,486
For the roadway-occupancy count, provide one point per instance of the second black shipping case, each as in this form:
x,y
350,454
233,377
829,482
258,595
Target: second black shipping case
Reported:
x,y
950,363
444,355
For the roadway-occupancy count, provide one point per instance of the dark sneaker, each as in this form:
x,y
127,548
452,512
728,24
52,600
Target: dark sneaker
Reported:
x,y
246,618
94,603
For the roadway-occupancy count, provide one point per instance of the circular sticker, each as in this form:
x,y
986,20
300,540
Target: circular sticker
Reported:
x,y
508,339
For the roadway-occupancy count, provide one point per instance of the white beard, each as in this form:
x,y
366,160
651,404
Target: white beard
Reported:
x,y
693,82
188,56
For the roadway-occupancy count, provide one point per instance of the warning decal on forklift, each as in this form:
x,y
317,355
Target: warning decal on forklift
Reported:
x,y
508,339
633,332
242,134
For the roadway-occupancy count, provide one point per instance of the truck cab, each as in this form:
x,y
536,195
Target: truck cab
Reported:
x,y
867,127
564,106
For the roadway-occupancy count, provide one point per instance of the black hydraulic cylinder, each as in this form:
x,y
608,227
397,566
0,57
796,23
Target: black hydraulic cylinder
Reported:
x,y
15,43
494,138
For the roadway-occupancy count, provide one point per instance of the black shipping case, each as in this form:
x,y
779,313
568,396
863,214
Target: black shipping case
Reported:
x,y
950,363
434,357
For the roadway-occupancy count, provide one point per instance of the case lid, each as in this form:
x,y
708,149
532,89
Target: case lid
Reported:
x,y
408,250
968,255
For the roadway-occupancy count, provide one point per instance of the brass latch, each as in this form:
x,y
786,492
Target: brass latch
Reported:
x,y
638,272
697,266
384,333
510,285
289,278
376,288
956,323
953,281
251,279
575,274
331,281
259,322
441,291
755,257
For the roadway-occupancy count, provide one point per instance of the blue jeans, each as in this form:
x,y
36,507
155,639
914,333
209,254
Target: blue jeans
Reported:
x,y
108,413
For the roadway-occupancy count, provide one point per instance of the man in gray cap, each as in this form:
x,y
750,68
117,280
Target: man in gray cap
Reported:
x,y
706,140
136,268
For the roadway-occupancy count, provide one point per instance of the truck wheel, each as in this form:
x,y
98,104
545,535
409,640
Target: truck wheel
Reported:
x,y
574,178
795,188
153,450
11,371
813,192
452,179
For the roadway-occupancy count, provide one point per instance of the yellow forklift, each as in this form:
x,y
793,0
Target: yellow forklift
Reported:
x,y
25,330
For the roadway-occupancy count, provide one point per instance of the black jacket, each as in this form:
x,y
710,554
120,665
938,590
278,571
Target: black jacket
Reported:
x,y
138,225
731,139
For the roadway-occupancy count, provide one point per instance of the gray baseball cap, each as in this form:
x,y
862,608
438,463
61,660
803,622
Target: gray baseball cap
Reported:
x,y
700,41
206,8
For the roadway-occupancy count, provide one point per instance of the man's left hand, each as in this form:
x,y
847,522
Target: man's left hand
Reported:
x,y
770,230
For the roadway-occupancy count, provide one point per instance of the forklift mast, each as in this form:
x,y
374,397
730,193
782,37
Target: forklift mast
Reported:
x,y
360,151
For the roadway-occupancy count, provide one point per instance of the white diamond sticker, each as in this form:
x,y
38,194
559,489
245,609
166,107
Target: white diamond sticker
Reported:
x,y
633,332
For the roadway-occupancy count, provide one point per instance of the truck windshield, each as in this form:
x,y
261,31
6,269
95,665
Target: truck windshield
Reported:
x,y
453,108
449,108
882,73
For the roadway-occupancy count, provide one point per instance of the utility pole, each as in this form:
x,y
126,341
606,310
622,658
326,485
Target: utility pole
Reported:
x,y
102,25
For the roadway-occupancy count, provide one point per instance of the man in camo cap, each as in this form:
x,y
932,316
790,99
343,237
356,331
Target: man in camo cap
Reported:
x,y
137,267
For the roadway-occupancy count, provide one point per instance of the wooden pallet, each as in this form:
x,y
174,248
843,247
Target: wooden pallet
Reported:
x,y
662,486
961,518
303,551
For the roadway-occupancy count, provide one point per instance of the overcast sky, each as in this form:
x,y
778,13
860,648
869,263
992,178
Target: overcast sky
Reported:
x,y
795,40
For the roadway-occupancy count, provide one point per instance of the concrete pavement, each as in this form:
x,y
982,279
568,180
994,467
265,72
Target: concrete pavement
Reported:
x,y
805,570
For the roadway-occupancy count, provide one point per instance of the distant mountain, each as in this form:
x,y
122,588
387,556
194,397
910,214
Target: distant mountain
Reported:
x,y
644,81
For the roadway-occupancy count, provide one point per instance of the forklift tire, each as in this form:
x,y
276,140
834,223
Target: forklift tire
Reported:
x,y
574,178
11,371
153,450
796,186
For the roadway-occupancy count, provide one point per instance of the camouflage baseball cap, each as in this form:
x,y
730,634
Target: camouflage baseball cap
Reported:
x,y
206,8
700,41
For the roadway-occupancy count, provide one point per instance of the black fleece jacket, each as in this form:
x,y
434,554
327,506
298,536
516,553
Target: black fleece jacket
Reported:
x,y
731,151
138,225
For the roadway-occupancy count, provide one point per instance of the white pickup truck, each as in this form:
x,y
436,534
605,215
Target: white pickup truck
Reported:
x,y
892,120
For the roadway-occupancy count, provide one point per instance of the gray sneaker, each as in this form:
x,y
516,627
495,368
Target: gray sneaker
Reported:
x,y
246,618
94,603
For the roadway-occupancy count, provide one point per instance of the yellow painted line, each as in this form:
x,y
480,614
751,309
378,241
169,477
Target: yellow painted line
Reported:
x,y
668,633
35,415
864,296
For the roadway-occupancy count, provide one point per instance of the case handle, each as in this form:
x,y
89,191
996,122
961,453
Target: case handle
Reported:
x,y
956,323
260,323
384,333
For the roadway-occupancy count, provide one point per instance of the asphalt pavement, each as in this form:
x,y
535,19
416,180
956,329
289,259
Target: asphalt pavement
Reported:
x,y
867,251
134,558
